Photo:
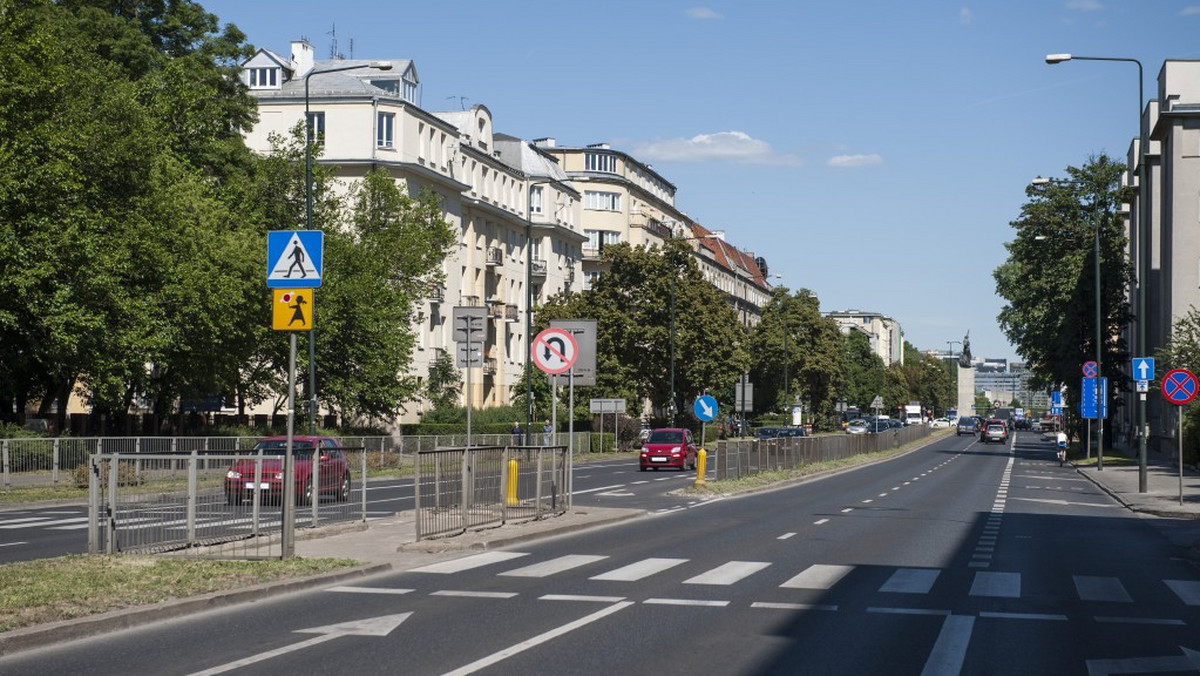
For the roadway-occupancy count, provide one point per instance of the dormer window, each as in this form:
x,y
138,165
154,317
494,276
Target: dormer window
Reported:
x,y
600,162
263,78
410,90
391,86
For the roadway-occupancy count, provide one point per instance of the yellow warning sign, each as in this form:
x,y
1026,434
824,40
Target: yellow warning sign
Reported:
x,y
292,310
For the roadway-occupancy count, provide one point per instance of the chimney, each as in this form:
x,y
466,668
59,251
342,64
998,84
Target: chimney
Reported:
x,y
302,58
546,142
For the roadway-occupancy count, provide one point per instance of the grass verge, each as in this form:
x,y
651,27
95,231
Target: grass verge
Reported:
x,y
47,590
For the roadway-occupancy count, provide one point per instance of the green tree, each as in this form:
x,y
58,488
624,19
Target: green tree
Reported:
x,y
797,348
864,371
1048,279
444,384
632,304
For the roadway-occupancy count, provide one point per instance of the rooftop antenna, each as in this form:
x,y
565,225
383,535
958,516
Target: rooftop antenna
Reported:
x,y
462,101
334,55
351,49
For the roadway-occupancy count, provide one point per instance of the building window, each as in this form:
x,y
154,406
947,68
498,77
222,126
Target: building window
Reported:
x,y
535,199
598,239
385,125
600,162
410,91
602,201
264,78
316,122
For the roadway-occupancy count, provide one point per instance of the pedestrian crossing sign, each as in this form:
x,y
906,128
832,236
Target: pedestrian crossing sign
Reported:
x,y
292,310
295,259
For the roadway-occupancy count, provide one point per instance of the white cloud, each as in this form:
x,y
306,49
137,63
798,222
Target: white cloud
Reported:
x,y
702,13
725,146
851,161
1190,11
964,15
1084,5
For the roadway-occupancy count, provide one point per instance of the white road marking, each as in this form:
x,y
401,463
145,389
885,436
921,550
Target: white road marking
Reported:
x,y
369,590
1140,620
553,566
538,640
639,570
12,544
459,593
791,606
820,522
1000,585
909,611
1023,616
1187,591
787,536
1098,588
950,649
911,581
686,602
728,573
848,509
581,597
818,576
468,562
597,490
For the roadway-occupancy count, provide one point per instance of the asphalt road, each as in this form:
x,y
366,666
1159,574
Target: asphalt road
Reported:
x,y
957,558
46,531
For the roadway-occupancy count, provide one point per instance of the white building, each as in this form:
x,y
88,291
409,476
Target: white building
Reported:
x,y
884,333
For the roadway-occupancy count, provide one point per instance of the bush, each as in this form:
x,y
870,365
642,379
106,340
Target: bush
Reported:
x,y
126,474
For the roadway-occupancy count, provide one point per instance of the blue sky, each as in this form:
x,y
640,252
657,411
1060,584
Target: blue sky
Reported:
x,y
873,151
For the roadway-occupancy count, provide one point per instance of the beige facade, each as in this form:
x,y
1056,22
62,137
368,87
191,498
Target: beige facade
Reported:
x,y
887,340
515,214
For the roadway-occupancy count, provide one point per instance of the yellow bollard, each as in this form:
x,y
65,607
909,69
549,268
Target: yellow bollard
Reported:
x,y
510,498
701,461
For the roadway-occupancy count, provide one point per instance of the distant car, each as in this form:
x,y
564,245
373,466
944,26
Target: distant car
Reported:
x,y
996,430
857,426
668,447
334,469
966,426
937,423
790,432
766,432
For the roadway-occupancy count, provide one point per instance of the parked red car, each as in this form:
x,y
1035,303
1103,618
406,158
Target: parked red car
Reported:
x,y
334,480
669,447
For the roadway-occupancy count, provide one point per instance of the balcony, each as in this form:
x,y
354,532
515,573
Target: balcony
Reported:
x,y
495,256
489,366
472,301
591,253
495,309
510,313
437,293
537,267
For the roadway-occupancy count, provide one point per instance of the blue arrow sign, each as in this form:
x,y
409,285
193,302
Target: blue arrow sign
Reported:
x,y
295,259
1056,398
1143,368
705,407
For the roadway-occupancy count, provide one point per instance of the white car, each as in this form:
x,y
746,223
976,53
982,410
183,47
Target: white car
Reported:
x,y
941,422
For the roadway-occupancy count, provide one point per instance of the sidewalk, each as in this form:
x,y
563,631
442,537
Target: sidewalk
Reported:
x,y
1163,486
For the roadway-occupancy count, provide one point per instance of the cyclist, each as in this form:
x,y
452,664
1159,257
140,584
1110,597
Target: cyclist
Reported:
x,y
1062,447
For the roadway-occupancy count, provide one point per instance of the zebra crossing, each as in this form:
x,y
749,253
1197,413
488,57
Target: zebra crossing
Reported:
x,y
816,577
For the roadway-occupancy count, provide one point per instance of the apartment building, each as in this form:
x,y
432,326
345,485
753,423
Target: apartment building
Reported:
x,y
532,217
515,213
884,333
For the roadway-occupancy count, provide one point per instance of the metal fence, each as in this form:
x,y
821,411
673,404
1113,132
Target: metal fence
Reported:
x,y
739,458
186,503
462,488
63,462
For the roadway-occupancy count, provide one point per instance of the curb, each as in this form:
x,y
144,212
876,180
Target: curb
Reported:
x,y
1136,507
42,635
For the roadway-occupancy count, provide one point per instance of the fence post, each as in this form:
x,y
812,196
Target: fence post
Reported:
x,y
110,542
54,472
364,480
416,491
193,461
93,504
7,478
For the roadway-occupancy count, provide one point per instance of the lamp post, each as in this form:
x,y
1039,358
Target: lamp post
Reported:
x,y
1141,240
308,221
787,389
1099,331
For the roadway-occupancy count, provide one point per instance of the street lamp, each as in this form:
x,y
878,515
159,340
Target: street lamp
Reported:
x,y
787,389
1141,244
1099,332
308,222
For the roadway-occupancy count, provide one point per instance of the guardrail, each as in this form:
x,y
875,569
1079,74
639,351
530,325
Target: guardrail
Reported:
x,y
738,458
462,488
154,503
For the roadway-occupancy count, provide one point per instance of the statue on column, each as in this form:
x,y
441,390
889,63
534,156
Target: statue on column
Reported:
x,y
964,358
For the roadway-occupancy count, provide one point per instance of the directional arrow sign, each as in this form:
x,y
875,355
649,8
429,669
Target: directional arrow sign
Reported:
x,y
375,626
705,407
1143,368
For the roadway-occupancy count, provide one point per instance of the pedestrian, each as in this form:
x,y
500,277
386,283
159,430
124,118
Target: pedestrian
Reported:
x,y
516,434
547,434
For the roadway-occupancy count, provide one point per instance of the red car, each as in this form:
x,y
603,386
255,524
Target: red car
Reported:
x,y
669,447
335,471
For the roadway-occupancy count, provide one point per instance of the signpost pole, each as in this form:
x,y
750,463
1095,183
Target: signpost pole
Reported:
x,y
287,536
1179,436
